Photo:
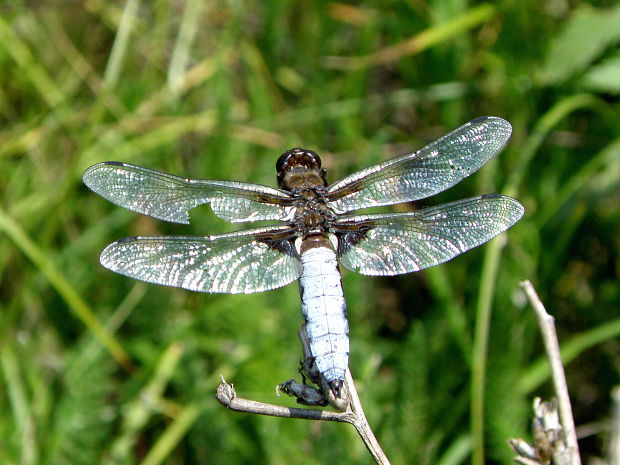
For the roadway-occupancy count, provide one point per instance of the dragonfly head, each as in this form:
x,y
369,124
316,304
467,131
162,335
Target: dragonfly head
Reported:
x,y
300,168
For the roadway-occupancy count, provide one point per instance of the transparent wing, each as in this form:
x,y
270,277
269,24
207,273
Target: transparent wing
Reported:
x,y
430,170
168,197
238,263
397,243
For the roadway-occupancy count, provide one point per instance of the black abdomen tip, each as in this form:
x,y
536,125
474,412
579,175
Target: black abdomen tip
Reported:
x,y
336,387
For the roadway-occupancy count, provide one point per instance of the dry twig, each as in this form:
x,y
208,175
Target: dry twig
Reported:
x,y
353,414
556,442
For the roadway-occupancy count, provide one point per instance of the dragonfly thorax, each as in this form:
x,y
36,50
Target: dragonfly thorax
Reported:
x,y
312,215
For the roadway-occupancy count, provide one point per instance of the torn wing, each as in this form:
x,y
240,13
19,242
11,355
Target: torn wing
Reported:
x,y
169,197
396,243
432,169
237,263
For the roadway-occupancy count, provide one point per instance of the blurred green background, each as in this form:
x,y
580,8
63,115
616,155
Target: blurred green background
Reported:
x,y
98,368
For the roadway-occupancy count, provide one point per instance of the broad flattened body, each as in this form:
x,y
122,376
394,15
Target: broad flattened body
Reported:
x,y
325,314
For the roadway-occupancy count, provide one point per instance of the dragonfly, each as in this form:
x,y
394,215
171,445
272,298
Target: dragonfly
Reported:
x,y
316,230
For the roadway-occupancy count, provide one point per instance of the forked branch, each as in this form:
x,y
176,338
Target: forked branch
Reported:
x,y
353,414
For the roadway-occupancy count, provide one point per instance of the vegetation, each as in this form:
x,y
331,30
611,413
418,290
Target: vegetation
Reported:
x,y
97,368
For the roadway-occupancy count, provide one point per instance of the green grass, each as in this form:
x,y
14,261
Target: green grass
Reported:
x,y
97,368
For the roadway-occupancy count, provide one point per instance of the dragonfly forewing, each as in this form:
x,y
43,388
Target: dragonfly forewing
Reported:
x,y
169,197
432,169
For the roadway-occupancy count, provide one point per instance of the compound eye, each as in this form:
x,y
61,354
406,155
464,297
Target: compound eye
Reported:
x,y
298,157
313,159
284,161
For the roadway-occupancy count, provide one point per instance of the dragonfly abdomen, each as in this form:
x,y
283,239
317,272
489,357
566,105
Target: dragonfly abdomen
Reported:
x,y
325,313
